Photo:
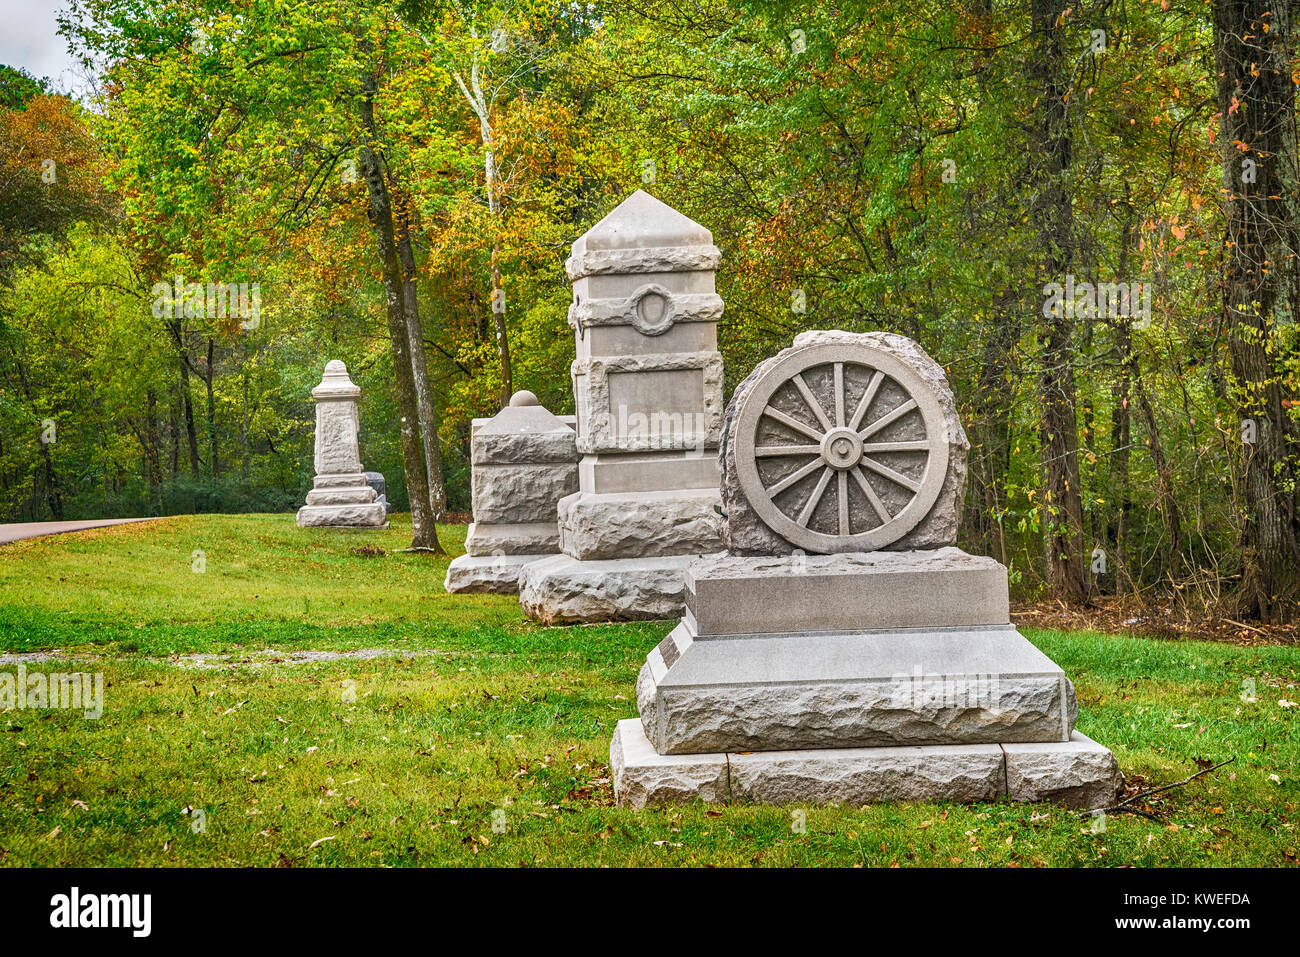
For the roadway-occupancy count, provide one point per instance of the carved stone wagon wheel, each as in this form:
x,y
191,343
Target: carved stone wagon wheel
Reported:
x,y
841,448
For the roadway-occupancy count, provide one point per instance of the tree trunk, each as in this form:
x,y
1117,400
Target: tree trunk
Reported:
x,y
1256,100
420,368
53,493
498,289
177,334
210,372
1054,218
190,432
499,323
424,531
1166,497
245,452
991,451
1121,420
482,107
174,433
153,451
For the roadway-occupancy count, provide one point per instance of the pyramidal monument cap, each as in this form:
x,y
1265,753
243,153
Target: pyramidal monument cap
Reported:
x,y
638,224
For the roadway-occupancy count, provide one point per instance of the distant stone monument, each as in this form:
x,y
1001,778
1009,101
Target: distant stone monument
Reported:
x,y
648,383
377,482
843,650
524,460
340,496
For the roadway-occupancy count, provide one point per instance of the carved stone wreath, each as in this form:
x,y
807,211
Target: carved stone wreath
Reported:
x,y
841,447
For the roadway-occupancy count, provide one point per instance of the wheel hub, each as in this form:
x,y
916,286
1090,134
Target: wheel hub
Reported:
x,y
841,448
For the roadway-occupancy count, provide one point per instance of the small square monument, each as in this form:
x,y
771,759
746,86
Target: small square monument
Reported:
x,y
524,461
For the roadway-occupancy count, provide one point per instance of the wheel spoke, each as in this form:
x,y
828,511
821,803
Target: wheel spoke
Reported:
x,y
811,505
920,445
895,477
811,399
842,480
872,497
839,394
773,451
797,475
872,388
885,420
792,423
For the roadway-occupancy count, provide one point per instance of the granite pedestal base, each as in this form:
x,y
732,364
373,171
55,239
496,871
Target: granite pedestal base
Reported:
x,y
365,516
1078,773
969,685
854,677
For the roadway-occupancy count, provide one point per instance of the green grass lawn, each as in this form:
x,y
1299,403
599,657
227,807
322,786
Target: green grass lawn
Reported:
x,y
482,738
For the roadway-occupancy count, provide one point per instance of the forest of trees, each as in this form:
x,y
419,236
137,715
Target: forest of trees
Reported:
x,y
1088,212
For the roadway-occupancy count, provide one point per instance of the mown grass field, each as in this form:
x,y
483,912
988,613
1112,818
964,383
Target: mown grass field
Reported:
x,y
480,738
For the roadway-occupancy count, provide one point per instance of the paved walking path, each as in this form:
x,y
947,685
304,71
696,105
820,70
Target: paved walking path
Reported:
x,y
17,532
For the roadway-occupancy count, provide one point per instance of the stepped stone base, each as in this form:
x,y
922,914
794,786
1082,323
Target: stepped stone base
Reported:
x,y
368,515
1078,773
562,589
933,686
498,574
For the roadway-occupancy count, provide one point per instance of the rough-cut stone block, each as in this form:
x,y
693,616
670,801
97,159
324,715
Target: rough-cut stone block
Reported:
x,y
961,773
736,594
511,494
748,534
643,778
639,524
525,538
1079,772
953,686
498,574
560,588
343,516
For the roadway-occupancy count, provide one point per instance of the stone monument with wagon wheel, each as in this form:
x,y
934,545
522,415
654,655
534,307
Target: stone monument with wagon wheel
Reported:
x,y
842,649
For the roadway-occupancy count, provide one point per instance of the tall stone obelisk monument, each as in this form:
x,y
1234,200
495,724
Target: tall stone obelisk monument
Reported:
x,y
340,497
648,385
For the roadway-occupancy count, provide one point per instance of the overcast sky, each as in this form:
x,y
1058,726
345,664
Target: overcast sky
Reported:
x,y
29,38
